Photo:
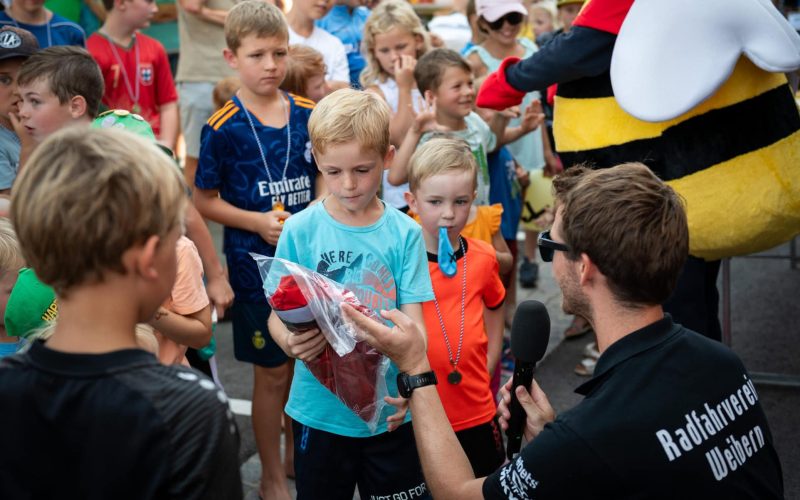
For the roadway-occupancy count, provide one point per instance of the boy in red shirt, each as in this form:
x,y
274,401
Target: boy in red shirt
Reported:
x,y
465,320
135,67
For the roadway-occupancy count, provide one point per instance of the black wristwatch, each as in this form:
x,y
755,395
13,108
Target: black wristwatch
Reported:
x,y
407,383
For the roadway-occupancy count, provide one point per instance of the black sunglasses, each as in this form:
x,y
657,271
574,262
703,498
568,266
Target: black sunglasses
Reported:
x,y
513,18
547,247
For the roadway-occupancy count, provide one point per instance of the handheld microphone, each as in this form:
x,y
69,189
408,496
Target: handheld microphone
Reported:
x,y
530,334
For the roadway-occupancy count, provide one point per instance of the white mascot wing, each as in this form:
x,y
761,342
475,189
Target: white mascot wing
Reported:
x,y
671,55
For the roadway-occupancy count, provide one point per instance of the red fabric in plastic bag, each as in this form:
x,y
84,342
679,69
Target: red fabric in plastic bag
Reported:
x,y
350,377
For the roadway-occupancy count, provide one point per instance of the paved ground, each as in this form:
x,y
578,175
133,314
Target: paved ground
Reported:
x,y
765,320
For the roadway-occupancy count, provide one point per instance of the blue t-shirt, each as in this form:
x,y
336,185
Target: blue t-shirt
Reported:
x,y
384,264
230,161
9,157
348,27
58,31
505,189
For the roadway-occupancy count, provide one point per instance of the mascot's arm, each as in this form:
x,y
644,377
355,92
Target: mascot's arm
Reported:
x,y
582,52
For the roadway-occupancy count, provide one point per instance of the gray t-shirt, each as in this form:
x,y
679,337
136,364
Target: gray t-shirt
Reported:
x,y
9,157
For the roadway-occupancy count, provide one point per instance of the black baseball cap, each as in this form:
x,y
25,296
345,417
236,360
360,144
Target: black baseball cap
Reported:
x,y
17,42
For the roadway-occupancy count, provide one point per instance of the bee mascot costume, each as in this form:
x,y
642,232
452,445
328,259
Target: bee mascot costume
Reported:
x,y
694,90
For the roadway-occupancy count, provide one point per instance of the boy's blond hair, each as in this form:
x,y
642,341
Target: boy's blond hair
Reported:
x,y
254,17
347,115
88,195
10,254
388,15
440,155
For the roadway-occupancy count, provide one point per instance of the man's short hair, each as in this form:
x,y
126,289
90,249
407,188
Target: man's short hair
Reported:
x,y
69,71
630,223
350,115
254,17
430,68
303,63
440,155
88,195
10,255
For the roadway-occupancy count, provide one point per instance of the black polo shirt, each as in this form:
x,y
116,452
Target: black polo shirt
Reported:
x,y
116,425
668,414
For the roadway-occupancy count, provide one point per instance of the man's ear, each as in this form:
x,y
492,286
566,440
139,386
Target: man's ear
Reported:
x,y
230,58
388,158
77,107
587,270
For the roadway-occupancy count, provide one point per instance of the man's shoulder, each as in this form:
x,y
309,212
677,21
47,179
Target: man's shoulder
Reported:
x,y
61,22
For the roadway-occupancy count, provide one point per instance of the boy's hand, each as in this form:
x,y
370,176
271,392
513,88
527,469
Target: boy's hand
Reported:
x,y
219,293
395,420
271,225
404,71
533,116
25,139
306,346
510,113
425,120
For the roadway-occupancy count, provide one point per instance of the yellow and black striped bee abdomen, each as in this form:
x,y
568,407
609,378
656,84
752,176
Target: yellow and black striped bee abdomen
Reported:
x,y
735,158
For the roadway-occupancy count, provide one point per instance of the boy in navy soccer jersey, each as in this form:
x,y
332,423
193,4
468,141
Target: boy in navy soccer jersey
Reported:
x,y
255,170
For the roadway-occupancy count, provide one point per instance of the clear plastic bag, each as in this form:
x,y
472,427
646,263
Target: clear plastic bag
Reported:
x,y
351,369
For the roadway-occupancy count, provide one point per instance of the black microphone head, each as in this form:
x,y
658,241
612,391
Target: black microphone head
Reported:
x,y
530,331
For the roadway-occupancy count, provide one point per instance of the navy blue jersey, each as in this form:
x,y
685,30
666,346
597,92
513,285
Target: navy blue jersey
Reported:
x,y
230,162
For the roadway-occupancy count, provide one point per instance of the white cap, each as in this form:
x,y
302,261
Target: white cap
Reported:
x,y
492,10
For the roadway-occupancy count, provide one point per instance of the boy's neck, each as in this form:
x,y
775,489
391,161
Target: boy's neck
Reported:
x,y
35,16
300,23
366,217
115,29
432,242
96,318
453,123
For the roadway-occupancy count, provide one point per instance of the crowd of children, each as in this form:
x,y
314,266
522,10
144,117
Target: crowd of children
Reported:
x,y
395,186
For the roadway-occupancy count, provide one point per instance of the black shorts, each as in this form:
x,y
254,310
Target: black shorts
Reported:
x,y
483,445
252,342
331,466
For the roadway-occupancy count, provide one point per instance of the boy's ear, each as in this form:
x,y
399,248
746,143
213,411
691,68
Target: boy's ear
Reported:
x,y
146,258
230,57
389,157
411,201
77,107
428,95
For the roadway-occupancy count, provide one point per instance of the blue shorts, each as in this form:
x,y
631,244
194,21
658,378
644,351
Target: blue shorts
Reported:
x,y
252,342
331,466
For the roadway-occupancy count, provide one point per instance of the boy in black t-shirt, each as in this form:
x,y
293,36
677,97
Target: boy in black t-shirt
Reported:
x,y
98,214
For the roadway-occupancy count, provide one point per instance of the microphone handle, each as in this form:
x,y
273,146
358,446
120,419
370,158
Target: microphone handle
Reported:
x,y
523,376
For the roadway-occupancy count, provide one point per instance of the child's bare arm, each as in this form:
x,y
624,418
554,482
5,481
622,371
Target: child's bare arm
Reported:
x,y
404,118
170,124
503,253
192,329
268,224
424,121
414,311
494,321
219,290
531,119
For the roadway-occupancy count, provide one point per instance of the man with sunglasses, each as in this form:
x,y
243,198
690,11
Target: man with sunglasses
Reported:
x,y
668,414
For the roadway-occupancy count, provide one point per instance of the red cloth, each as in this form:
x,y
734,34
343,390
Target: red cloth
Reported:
x,y
496,92
351,377
604,15
156,86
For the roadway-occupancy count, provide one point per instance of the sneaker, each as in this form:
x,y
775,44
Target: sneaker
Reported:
x,y
528,273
